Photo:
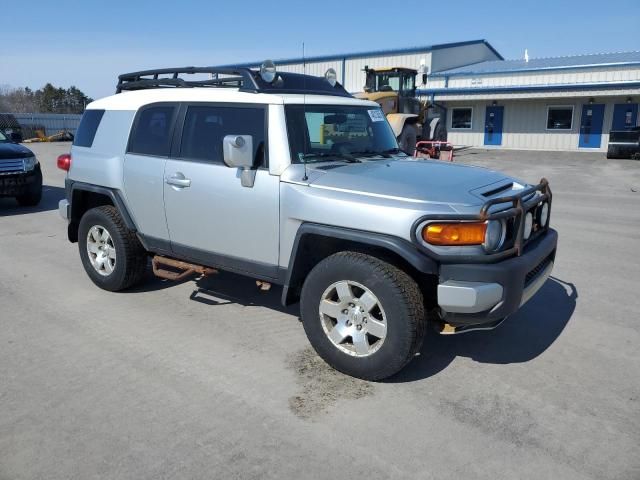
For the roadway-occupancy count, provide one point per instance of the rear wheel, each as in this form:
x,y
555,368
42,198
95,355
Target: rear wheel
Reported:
x,y
363,316
440,133
111,254
407,139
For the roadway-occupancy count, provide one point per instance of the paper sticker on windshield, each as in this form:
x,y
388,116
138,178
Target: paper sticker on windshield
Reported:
x,y
376,115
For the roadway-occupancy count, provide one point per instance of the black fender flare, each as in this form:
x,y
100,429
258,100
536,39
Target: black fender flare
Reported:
x,y
113,194
399,246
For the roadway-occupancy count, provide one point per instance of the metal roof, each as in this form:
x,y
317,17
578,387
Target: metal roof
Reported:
x,y
371,53
529,88
551,63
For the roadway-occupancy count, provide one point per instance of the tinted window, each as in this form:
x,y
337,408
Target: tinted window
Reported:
x,y
88,128
152,131
206,126
461,118
560,118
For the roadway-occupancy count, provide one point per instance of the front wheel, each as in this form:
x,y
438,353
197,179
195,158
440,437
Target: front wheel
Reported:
x,y
363,316
33,195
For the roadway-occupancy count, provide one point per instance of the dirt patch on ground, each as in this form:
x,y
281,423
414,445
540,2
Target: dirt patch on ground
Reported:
x,y
321,387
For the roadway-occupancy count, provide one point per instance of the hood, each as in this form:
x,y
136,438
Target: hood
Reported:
x,y
413,180
14,150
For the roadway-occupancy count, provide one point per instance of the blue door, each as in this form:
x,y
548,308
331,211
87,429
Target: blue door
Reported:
x,y
591,125
493,125
625,116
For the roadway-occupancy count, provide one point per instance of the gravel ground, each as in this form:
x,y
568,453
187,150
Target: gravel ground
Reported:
x,y
213,379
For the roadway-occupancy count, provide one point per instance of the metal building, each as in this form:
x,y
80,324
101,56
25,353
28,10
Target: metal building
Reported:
x,y
562,103
350,66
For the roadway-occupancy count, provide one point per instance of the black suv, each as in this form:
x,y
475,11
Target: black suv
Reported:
x,y
20,174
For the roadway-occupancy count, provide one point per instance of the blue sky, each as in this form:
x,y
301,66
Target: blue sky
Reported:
x,y
88,43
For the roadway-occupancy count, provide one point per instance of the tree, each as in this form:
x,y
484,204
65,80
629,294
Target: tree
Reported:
x,y
48,99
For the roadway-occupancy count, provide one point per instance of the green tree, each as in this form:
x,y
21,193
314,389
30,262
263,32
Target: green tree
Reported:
x,y
48,99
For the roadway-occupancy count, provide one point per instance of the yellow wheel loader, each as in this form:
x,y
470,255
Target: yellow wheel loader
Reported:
x,y
394,88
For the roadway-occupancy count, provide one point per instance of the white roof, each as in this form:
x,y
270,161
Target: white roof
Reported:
x,y
133,100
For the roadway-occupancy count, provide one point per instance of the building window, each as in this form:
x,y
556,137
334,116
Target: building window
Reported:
x,y
461,118
560,118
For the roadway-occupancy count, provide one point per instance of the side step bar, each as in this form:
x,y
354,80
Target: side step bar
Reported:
x,y
177,270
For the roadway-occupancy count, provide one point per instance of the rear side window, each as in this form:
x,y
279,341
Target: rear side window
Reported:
x,y
152,131
88,128
206,126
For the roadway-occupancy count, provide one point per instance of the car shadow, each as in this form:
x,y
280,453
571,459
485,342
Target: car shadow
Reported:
x,y
522,337
50,197
225,287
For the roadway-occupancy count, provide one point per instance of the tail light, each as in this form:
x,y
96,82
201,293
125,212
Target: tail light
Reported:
x,y
64,162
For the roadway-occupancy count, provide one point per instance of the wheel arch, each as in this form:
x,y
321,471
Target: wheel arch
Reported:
x,y
84,197
315,242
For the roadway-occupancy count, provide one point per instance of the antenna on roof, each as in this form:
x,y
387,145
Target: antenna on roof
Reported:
x,y
304,111
526,55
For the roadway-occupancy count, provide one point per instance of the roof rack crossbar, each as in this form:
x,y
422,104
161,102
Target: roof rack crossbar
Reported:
x,y
242,78
236,77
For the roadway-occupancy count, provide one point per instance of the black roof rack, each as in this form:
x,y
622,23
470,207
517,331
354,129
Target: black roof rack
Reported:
x,y
242,78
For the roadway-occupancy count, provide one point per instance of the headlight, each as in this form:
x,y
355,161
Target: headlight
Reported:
x,y
544,214
528,225
268,71
494,236
30,163
454,233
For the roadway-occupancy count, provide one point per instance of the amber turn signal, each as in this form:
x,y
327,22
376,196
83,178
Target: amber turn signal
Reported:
x,y
460,233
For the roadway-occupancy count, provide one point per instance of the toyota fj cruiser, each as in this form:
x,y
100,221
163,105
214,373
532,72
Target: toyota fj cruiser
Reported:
x,y
290,180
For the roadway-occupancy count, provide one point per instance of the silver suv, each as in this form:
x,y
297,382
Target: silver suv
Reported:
x,y
290,180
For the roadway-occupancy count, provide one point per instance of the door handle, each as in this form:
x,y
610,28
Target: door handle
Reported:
x,y
178,180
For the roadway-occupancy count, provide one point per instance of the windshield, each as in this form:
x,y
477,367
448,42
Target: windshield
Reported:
x,y
394,82
2,137
328,132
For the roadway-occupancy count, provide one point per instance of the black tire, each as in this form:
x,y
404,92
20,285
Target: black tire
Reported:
x,y
400,298
30,199
131,258
34,195
407,139
440,133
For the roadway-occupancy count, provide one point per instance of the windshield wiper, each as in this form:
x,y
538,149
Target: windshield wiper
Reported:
x,y
394,151
347,157
371,153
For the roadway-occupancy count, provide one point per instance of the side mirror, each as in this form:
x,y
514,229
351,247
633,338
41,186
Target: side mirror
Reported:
x,y
238,153
15,137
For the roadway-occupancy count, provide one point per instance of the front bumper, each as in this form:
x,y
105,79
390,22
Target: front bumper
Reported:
x,y
483,294
20,183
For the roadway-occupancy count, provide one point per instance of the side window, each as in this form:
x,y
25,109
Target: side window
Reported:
x,y
88,128
206,126
152,131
